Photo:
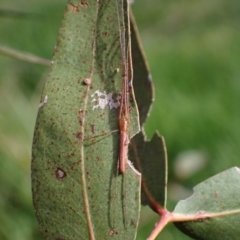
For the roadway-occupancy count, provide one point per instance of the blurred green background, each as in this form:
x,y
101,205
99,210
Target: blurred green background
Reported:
x,y
193,49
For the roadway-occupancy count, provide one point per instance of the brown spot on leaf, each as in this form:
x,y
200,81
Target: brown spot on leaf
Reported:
x,y
88,175
104,34
92,128
81,113
112,232
60,174
74,8
79,135
84,3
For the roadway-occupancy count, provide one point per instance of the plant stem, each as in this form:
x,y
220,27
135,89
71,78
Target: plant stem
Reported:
x,y
24,56
164,220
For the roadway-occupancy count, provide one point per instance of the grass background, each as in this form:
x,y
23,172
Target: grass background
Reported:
x,y
194,54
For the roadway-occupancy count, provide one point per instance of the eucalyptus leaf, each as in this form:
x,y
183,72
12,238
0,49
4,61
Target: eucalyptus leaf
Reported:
x,y
142,80
150,158
77,191
217,201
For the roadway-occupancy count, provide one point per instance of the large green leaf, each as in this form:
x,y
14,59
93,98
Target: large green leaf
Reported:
x,y
77,192
216,200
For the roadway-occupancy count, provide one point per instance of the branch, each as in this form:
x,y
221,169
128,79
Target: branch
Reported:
x,y
28,57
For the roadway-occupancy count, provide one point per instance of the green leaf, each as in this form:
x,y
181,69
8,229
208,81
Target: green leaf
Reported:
x,y
142,80
215,206
150,159
77,192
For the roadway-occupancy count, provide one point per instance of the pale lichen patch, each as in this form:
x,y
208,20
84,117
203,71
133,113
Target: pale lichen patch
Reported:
x,y
103,99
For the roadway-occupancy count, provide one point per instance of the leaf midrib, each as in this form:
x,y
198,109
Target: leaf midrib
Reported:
x,y
82,168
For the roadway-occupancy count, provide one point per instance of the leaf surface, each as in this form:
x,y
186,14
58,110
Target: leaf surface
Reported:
x,y
216,199
77,192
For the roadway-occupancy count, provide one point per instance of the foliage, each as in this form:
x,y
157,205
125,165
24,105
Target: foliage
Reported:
x,y
194,56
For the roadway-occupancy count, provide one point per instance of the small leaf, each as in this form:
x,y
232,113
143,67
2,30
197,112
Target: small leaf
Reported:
x,y
77,192
150,159
217,201
142,80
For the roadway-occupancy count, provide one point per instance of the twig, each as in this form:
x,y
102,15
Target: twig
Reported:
x,y
19,14
168,217
28,57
